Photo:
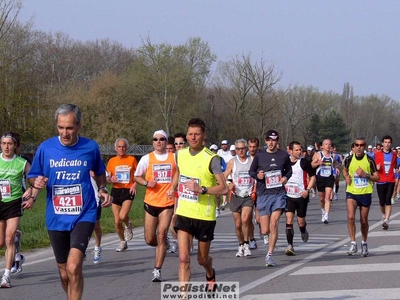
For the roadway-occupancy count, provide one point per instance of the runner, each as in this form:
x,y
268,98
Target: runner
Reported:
x,y
271,169
199,170
298,190
241,204
386,164
226,156
156,171
120,169
359,171
12,201
325,164
62,165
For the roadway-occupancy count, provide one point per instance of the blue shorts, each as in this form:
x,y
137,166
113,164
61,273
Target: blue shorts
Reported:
x,y
267,204
362,200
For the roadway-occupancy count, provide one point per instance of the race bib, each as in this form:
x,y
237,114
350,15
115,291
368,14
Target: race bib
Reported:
x,y
292,190
184,193
162,173
325,171
244,180
273,179
67,199
5,187
387,166
123,174
360,182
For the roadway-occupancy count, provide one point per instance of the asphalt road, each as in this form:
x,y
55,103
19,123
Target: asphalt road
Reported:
x,y
320,270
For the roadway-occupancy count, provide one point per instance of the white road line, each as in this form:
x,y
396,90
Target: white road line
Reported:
x,y
347,269
313,256
364,294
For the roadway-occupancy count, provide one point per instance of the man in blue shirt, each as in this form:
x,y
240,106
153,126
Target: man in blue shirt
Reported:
x,y
62,165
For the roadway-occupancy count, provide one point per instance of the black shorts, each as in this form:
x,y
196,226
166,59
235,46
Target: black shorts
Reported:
x,y
362,200
325,182
385,192
200,229
154,210
9,210
121,195
98,212
298,205
63,241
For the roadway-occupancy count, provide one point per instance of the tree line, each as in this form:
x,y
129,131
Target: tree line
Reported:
x,y
132,92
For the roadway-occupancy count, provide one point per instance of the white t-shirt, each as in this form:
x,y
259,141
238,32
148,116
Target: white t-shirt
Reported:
x,y
144,163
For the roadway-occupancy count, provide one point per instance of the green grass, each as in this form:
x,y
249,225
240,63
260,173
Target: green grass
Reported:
x,y
33,225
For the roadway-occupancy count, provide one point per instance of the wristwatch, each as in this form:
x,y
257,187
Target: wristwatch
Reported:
x,y
104,189
145,183
204,190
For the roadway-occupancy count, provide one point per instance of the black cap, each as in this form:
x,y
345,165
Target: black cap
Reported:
x,y
272,134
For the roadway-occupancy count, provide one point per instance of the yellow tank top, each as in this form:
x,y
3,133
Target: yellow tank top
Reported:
x,y
190,204
359,185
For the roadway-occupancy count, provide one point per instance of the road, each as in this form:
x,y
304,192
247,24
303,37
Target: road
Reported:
x,y
320,270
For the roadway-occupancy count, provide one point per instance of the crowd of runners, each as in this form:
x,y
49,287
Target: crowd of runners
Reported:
x,y
187,184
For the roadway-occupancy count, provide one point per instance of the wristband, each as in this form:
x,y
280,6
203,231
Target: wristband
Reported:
x,y
104,189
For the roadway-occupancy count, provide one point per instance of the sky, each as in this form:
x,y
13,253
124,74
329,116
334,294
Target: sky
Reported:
x,y
319,43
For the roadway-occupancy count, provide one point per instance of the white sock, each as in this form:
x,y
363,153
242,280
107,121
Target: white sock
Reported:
x,y
7,272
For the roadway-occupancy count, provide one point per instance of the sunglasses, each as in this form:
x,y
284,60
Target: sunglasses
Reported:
x,y
240,149
359,145
159,139
180,143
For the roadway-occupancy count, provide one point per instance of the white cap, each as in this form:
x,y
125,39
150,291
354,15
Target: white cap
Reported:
x,y
224,142
162,132
232,147
369,146
213,147
310,148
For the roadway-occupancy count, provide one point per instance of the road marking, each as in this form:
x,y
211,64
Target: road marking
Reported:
x,y
365,294
298,264
347,269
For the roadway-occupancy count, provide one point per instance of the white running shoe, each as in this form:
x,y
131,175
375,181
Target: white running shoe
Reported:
x,y
325,218
97,256
385,224
246,250
353,249
128,234
123,245
290,251
240,252
5,282
253,244
156,275
18,264
266,239
218,213
173,247
364,250
269,262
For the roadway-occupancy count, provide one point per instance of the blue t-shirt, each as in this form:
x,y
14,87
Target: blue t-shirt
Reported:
x,y
70,196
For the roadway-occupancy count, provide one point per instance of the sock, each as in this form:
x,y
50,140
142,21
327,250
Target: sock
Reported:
x,y
289,233
253,239
155,268
269,253
336,188
353,242
363,243
246,242
303,229
7,272
96,248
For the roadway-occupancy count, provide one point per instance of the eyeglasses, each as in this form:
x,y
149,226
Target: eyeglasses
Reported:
x,y
240,149
359,145
159,139
180,143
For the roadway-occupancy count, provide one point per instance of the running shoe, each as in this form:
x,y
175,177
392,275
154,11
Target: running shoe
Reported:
x,y
5,282
128,234
173,247
253,244
246,250
353,249
123,245
304,236
364,250
266,239
156,275
218,214
313,194
325,218
335,197
97,255
269,262
290,251
240,252
210,282
392,200
14,268
385,224
398,196
322,214
19,264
